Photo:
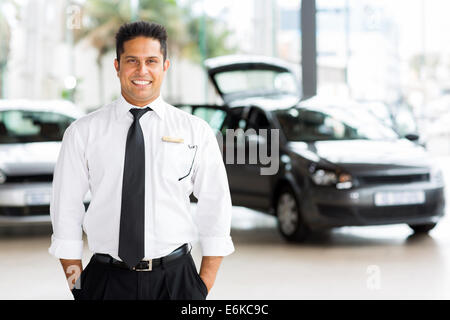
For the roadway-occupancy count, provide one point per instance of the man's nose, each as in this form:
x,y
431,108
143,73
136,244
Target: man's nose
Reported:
x,y
142,69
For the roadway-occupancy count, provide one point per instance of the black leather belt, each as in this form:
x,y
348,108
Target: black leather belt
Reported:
x,y
144,265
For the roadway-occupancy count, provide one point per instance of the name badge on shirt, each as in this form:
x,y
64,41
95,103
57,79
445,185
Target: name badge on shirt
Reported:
x,y
171,139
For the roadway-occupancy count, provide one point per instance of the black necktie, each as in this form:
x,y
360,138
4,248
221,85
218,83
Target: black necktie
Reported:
x,y
132,215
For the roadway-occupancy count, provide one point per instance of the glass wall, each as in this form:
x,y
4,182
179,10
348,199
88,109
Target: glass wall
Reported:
x,y
393,52
390,51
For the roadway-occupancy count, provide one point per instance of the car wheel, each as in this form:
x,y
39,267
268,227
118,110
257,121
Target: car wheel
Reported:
x,y
422,228
290,222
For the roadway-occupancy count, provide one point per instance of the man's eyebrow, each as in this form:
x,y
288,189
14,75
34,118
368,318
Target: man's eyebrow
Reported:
x,y
145,57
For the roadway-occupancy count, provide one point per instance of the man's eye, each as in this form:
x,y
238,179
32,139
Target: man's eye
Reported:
x,y
131,60
151,61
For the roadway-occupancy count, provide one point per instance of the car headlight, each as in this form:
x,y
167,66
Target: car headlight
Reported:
x,y
436,175
322,177
2,177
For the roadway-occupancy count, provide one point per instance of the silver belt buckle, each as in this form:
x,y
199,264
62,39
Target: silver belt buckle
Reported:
x,y
149,268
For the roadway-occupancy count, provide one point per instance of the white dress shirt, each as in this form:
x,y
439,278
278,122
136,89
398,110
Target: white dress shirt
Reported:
x,y
92,158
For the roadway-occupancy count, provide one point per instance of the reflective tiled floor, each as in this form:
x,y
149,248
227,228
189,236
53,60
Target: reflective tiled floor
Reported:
x,y
386,262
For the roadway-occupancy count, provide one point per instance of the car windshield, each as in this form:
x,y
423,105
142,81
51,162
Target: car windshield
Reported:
x,y
21,126
256,82
301,124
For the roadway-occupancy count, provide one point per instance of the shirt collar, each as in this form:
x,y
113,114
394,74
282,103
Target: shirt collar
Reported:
x,y
123,106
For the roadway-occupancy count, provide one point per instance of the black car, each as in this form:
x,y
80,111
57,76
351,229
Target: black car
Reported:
x,y
338,165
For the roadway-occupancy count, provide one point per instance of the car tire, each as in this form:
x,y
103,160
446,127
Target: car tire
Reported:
x,y
289,216
422,228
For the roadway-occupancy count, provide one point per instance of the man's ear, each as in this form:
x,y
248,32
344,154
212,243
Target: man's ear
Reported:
x,y
166,65
116,65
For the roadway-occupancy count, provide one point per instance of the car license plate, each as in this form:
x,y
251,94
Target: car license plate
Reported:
x,y
36,198
399,198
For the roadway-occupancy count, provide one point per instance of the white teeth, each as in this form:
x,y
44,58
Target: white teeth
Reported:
x,y
141,82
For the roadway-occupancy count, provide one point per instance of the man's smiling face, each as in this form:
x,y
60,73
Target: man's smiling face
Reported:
x,y
141,70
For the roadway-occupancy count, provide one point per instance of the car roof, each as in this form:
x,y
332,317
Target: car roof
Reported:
x,y
343,103
230,60
268,104
337,105
329,101
58,106
286,102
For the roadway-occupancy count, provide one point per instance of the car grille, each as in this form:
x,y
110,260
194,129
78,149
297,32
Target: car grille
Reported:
x,y
399,212
24,211
30,178
28,211
381,213
396,179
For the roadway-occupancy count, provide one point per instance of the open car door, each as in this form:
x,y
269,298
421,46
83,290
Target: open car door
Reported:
x,y
215,115
247,187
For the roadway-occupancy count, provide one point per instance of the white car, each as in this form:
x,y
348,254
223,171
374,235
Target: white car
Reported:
x,y
30,138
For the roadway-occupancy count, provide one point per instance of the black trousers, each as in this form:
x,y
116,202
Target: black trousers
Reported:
x,y
175,280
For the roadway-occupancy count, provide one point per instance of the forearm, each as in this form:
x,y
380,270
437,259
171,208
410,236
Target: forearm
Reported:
x,y
72,270
208,270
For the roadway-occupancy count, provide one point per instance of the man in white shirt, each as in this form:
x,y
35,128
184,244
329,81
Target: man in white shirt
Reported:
x,y
140,158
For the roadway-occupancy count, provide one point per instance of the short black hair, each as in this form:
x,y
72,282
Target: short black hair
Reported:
x,y
129,31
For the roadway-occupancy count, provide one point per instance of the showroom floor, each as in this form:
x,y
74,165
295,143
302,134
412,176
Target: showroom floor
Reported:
x,y
385,262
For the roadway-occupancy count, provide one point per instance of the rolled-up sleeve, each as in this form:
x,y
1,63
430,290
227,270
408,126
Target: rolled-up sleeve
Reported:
x,y
213,215
70,185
